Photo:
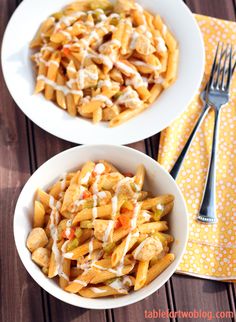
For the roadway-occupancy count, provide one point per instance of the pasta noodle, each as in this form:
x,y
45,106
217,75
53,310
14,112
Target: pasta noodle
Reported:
x,y
90,47
101,242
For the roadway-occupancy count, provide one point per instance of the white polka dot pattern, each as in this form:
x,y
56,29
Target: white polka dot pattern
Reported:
x,y
211,249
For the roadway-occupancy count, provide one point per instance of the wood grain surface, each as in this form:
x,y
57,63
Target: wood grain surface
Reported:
x,y
23,148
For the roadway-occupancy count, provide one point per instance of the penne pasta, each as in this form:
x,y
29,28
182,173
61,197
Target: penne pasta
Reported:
x,y
171,72
126,115
85,58
39,213
153,227
64,279
121,250
141,275
52,74
97,233
164,199
101,291
80,282
159,267
83,249
86,214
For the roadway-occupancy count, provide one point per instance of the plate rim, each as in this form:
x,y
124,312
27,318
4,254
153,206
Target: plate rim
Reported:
x,y
88,139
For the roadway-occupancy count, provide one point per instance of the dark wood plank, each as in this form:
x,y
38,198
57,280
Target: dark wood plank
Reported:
x,y
21,298
46,145
62,312
214,8
138,312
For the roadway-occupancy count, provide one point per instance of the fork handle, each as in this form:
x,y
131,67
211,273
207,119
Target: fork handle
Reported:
x,y
207,213
176,168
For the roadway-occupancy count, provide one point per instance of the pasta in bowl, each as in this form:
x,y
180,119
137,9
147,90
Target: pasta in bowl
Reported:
x,y
102,61
98,230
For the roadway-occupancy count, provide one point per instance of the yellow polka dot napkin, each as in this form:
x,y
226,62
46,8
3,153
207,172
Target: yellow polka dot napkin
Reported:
x,y
211,249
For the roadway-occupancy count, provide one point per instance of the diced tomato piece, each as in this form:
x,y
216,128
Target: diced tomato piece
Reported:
x,y
68,233
128,174
124,210
117,224
86,194
124,219
66,51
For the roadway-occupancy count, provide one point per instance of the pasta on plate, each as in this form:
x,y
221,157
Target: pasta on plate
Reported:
x,y
100,232
102,61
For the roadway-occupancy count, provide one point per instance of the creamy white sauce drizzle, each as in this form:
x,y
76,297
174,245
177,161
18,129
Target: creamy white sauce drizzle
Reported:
x,y
108,230
105,83
51,202
111,270
161,44
138,249
124,67
59,88
98,169
134,39
138,7
133,221
115,42
118,286
54,219
136,81
146,215
78,281
68,255
141,63
102,194
114,202
86,178
160,207
127,280
97,290
63,247
91,247
94,210
159,80
130,98
102,98
67,20
71,69
66,34
63,181
47,48
164,29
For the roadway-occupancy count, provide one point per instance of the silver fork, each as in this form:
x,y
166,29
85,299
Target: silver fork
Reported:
x,y
217,96
216,66
178,164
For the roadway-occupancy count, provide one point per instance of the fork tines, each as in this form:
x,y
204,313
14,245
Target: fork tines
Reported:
x,y
222,68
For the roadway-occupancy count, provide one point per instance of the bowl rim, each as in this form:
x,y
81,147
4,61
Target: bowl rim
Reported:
x,y
47,287
100,135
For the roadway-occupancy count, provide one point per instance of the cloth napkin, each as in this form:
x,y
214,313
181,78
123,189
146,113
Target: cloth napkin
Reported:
x,y
211,249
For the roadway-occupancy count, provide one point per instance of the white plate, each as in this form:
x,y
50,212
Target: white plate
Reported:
x,y
158,181
19,77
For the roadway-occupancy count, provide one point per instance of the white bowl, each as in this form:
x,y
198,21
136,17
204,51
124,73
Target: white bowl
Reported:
x,y
20,79
158,181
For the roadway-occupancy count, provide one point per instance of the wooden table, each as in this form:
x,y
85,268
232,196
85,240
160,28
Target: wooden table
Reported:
x,y
23,148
